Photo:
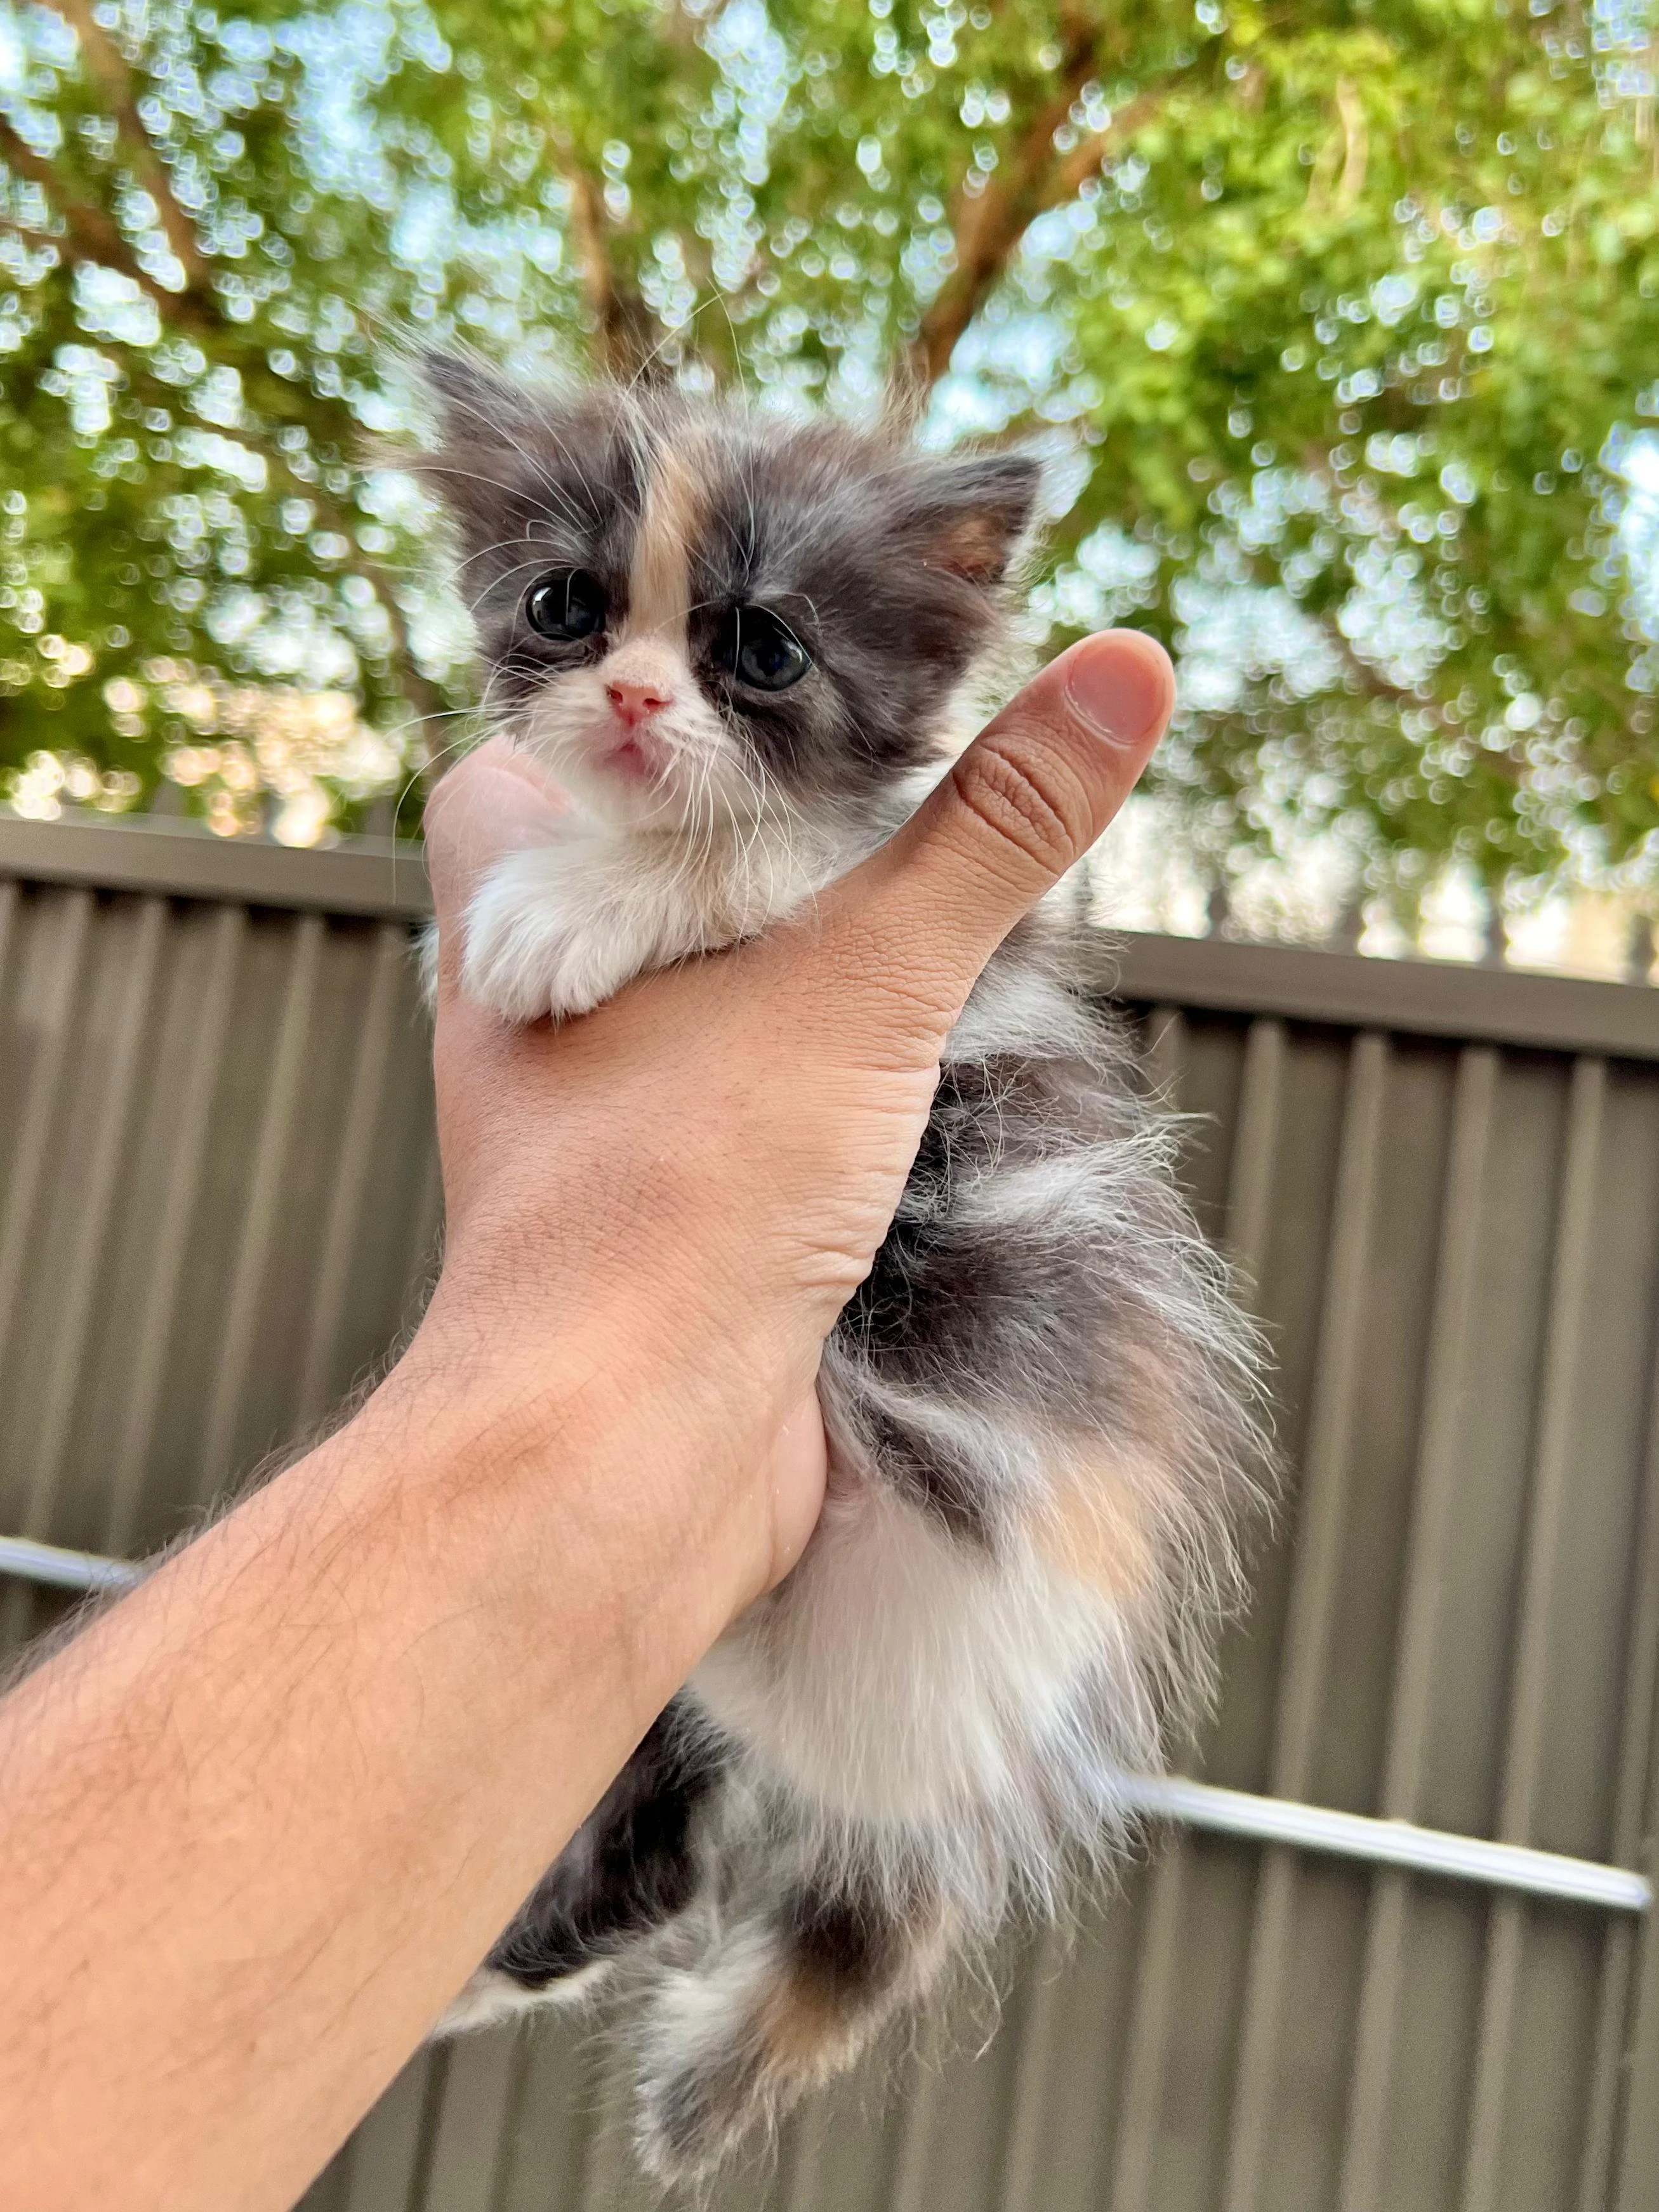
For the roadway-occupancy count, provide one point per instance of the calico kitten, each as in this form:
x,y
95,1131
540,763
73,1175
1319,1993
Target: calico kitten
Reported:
x,y
746,646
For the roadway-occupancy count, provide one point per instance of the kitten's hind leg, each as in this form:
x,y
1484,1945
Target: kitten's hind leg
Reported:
x,y
784,1997
633,1864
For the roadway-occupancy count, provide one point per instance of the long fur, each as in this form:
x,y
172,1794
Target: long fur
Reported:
x,y
1042,1405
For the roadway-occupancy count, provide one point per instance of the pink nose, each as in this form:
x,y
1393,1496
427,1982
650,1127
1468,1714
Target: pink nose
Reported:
x,y
636,702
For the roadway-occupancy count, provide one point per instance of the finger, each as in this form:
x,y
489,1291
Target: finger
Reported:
x,y
1021,805
495,800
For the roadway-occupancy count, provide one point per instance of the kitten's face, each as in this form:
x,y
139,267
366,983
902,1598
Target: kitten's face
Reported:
x,y
702,618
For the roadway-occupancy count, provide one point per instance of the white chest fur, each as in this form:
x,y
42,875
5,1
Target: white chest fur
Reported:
x,y
560,927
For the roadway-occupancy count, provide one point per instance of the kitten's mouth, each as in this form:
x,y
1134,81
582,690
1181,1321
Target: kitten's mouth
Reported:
x,y
636,759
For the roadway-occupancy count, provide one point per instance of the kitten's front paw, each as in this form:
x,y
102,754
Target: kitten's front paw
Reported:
x,y
526,975
532,950
503,970
581,976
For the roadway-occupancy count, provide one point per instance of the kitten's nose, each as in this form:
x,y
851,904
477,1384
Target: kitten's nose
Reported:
x,y
637,700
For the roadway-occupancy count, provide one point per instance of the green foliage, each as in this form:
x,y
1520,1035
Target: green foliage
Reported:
x,y
1343,318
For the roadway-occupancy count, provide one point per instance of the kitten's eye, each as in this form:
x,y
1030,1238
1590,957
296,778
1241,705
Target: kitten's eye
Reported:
x,y
762,650
567,606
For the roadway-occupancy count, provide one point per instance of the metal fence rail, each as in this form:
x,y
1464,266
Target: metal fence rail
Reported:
x,y
218,1199
1153,1796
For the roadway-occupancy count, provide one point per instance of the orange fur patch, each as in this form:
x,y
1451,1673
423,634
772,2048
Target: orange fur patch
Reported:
x,y
976,547
659,586
805,2034
809,2026
1094,1529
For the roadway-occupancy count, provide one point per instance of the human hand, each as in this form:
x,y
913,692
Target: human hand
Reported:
x,y
332,1742
673,1197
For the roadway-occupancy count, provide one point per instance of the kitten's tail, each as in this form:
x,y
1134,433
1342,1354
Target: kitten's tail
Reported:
x,y
776,2001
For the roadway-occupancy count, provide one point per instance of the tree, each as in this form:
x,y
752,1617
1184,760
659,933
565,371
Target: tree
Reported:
x,y
1345,317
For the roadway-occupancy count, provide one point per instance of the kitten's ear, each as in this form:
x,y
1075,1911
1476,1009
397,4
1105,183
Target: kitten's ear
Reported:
x,y
973,516
469,399
484,448
471,402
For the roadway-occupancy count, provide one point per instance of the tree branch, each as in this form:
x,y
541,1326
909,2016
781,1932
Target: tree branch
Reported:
x,y
990,224
108,69
16,228
1348,143
89,234
625,334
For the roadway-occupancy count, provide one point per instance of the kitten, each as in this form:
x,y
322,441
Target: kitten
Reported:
x,y
746,646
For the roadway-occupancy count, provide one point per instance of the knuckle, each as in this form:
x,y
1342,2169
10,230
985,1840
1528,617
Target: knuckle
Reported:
x,y
1027,798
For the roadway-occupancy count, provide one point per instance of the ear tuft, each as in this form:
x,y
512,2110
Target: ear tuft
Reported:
x,y
485,446
475,403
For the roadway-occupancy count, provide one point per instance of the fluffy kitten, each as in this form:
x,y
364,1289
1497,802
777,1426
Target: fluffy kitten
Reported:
x,y
743,645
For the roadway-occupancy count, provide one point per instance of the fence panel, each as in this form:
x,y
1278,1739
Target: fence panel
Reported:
x,y
219,1206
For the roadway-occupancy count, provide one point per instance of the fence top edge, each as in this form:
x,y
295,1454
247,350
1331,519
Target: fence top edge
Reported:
x,y
371,876
374,876
1420,997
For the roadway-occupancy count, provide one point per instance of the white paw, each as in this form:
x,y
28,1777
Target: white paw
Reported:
x,y
527,976
535,946
582,973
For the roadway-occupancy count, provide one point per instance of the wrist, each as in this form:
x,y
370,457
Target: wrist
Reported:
x,y
600,1484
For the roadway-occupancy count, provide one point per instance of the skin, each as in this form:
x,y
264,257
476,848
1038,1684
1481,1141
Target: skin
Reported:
x,y
261,1820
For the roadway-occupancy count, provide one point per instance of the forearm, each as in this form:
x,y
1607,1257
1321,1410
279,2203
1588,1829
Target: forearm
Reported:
x,y
260,1822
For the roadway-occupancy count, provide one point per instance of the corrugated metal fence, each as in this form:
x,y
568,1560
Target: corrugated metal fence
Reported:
x,y
220,1199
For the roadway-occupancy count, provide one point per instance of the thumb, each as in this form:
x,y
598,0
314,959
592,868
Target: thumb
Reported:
x,y
1026,801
